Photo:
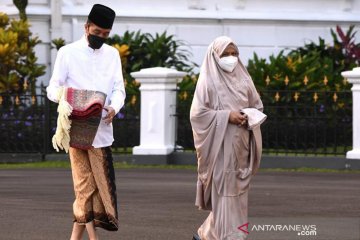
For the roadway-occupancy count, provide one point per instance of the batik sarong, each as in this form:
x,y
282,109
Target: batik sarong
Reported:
x,y
94,186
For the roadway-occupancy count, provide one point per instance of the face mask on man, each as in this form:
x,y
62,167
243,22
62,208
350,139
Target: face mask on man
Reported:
x,y
95,42
228,63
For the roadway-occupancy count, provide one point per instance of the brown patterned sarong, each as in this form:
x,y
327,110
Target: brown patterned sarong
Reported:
x,y
94,186
86,116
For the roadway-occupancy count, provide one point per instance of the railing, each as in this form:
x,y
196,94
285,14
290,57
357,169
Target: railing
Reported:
x,y
127,126
299,122
305,122
308,122
24,123
28,122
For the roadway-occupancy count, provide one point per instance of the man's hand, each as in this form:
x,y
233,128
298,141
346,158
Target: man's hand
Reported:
x,y
238,118
110,114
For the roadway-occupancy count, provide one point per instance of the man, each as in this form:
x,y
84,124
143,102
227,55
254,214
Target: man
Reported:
x,y
89,64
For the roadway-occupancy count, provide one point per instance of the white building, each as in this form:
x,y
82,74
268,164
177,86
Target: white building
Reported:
x,y
261,26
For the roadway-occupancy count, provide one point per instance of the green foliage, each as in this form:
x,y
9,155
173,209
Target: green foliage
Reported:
x,y
186,91
146,51
18,67
21,6
307,71
57,43
320,63
143,50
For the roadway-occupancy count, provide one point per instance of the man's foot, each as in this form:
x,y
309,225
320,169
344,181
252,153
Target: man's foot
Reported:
x,y
196,237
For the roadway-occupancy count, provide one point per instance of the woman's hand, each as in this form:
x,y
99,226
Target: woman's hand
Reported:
x,y
238,118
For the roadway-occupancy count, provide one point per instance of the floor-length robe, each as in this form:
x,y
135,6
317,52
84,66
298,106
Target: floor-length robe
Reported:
x,y
228,155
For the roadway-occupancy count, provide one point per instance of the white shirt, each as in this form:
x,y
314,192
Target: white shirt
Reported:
x,y
81,67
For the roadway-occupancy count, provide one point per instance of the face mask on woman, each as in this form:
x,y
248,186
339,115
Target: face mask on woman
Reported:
x,y
228,63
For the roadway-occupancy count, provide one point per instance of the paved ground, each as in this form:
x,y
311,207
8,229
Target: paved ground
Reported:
x,y
158,204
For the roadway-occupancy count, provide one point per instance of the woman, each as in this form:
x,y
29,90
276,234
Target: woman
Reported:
x,y
227,139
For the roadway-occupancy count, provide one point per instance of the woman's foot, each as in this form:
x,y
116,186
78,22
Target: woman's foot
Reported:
x,y
196,237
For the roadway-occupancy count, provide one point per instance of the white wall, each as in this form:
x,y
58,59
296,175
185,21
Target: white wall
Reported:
x,y
261,26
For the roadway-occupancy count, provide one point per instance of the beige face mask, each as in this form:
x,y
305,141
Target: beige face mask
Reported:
x,y
228,63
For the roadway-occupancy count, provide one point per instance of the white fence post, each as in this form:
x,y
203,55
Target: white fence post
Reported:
x,y
158,106
354,78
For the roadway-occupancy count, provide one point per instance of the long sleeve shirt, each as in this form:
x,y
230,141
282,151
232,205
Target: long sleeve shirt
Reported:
x,y
81,67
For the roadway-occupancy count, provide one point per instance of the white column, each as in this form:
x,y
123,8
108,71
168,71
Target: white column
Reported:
x,y
55,26
354,78
158,106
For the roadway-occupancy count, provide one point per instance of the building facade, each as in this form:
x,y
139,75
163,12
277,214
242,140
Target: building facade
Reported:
x,y
261,26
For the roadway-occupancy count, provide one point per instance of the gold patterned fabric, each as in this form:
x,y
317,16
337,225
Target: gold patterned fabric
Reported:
x,y
94,186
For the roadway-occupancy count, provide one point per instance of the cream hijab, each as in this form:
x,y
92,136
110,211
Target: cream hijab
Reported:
x,y
227,84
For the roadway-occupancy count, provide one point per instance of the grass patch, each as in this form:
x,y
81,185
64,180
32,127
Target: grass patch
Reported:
x,y
304,169
122,165
304,154
119,165
45,164
66,164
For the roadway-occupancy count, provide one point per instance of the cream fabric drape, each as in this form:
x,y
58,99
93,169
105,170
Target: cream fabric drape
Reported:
x,y
228,155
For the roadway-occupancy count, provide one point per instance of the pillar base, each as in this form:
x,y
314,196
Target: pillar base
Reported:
x,y
353,154
153,150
